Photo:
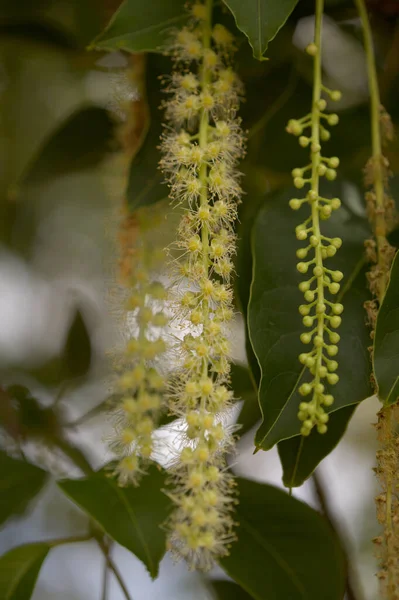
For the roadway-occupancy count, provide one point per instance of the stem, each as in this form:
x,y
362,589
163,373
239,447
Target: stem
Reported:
x,y
70,540
380,229
105,581
316,161
203,141
112,566
353,587
76,455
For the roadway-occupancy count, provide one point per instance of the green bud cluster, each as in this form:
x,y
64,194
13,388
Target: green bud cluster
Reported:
x,y
321,315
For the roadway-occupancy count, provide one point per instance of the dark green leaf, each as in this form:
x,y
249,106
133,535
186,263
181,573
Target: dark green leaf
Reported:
x,y
227,590
130,516
20,482
386,340
80,143
284,549
260,20
19,569
142,26
145,179
275,324
300,455
244,388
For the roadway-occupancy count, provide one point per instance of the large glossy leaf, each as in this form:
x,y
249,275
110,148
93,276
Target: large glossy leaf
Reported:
x,y
131,516
228,590
260,20
145,179
244,388
284,548
386,341
20,482
19,569
300,455
275,324
139,26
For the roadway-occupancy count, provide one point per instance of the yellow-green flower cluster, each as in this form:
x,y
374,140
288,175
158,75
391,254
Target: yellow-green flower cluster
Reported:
x,y
320,315
140,385
201,146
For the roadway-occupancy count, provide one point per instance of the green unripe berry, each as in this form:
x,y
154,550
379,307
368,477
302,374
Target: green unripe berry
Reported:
x,y
325,135
331,251
320,308
312,195
328,400
305,389
319,388
322,371
304,309
323,418
305,338
297,172
332,378
337,309
295,204
332,365
333,119
302,267
318,271
322,104
303,406
315,147
335,95
332,350
302,252
301,234
334,337
302,359
304,141
325,211
299,182
310,362
322,169
307,321
304,286
305,432
334,288
322,428
333,162
311,49
335,203
308,424
309,296
294,127
323,255
302,416
337,242
318,341
335,321
326,279
314,241
331,174
337,275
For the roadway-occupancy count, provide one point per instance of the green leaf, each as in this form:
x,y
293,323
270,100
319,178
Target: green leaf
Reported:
x,y
19,570
300,455
130,516
227,590
244,388
20,482
145,179
284,548
80,142
275,324
386,341
142,26
260,20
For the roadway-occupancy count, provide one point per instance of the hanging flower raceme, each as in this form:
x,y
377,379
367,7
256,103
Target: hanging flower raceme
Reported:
x,y
140,383
201,146
320,315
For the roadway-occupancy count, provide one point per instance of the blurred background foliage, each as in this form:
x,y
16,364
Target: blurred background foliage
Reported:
x,y
70,122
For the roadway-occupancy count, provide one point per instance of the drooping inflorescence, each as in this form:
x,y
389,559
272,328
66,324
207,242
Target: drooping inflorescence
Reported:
x,y
140,384
201,146
320,315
